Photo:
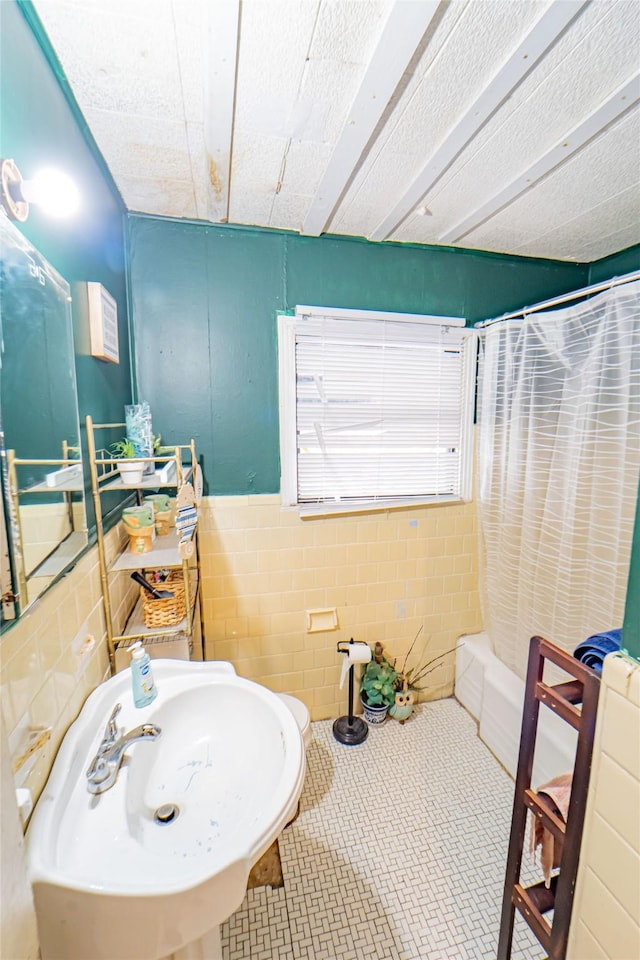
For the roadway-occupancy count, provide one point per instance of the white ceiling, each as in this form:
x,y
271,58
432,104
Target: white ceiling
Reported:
x,y
504,125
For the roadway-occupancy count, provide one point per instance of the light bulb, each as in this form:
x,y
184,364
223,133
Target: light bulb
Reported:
x,y
54,191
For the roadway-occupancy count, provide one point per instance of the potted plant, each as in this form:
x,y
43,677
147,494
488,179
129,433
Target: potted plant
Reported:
x,y
377,686
408,679
130,473
160,449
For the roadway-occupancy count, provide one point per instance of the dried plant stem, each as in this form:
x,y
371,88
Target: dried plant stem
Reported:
x,y
404,665
430,666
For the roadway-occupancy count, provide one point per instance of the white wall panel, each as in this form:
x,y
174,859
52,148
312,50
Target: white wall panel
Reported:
x,y
124,64
546,114
579,185
140,146
190,24
470,54
139,68
155,196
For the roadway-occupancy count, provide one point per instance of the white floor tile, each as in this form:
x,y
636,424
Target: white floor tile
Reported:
x,y
398,853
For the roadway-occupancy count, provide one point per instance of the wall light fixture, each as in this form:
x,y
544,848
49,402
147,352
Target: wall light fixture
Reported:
x,y
50,189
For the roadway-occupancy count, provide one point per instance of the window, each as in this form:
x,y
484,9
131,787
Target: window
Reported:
x,y
376,409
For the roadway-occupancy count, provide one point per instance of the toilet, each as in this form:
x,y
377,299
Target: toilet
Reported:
x,y
302,718
301,714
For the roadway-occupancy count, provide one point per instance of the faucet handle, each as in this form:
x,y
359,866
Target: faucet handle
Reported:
x,y
111,730
99,770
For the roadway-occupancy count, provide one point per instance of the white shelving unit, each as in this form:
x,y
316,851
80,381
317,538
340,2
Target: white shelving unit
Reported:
x,y
178,468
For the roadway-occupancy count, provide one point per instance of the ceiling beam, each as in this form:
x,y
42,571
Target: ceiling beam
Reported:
x,y
399,40
222,56
535,44
607,113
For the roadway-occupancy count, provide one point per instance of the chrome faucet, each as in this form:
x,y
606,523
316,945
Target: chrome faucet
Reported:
x,y
103,771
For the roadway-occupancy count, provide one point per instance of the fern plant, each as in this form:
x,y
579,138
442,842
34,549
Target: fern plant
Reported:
x,y
123,448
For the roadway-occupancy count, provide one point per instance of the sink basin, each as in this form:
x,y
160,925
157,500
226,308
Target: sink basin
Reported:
x,y
162,857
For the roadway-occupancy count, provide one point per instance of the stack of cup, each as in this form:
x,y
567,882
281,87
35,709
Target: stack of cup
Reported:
x,y
140,524
161,503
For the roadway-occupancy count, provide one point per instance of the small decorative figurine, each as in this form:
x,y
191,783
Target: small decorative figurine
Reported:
x,y
402,709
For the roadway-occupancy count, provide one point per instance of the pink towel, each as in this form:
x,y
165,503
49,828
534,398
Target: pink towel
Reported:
x,y
556,795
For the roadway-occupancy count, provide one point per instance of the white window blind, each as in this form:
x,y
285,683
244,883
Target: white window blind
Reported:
x,y
383,407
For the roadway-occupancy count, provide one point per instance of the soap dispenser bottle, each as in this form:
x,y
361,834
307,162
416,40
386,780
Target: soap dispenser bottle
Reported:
x,y
144,688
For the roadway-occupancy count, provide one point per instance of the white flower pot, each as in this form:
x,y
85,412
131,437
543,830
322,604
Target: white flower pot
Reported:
x,y
130,473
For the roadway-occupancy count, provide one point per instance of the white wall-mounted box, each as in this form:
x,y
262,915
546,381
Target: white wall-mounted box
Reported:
x,y
103,323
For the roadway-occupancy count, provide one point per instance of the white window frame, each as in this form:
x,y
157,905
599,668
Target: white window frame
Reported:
x,y
287,328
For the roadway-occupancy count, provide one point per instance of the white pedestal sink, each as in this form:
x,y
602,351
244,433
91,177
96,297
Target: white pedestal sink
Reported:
x,y
150,868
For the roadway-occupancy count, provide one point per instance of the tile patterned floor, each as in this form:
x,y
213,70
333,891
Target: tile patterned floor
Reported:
x,y
398,852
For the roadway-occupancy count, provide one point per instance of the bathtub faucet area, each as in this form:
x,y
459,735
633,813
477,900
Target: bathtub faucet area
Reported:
x,y
103,771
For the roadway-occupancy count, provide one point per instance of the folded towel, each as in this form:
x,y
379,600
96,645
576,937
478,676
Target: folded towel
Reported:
x,y
556,795
593,650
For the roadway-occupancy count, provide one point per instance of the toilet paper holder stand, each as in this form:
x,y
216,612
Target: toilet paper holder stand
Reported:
x,y
349,730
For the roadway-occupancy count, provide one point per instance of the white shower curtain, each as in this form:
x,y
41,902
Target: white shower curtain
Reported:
x,y
558,463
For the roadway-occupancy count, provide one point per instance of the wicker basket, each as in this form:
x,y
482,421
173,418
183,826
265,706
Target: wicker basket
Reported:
x,y
167,612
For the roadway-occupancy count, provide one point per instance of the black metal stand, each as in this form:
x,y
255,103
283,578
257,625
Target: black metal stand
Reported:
x,y
350,730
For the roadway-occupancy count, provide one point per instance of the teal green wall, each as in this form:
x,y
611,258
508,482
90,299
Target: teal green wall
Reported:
x,y
631,629
625,261
204,301
40,127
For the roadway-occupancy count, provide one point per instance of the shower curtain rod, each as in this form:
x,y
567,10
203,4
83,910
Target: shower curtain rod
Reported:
x,y
583,292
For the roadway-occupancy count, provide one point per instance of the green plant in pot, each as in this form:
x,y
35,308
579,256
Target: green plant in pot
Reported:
x,y
377,686
124,450
409,679
160,449
163,452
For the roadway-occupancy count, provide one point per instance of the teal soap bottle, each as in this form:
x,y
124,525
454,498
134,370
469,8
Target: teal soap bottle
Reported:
x,y
142,682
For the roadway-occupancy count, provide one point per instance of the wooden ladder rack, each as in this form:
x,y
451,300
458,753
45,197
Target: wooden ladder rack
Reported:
x,y
576,702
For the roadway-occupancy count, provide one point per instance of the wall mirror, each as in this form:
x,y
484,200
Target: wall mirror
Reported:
x,y
44,526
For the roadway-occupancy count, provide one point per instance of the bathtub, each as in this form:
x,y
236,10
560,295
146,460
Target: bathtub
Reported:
x,y
494,697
